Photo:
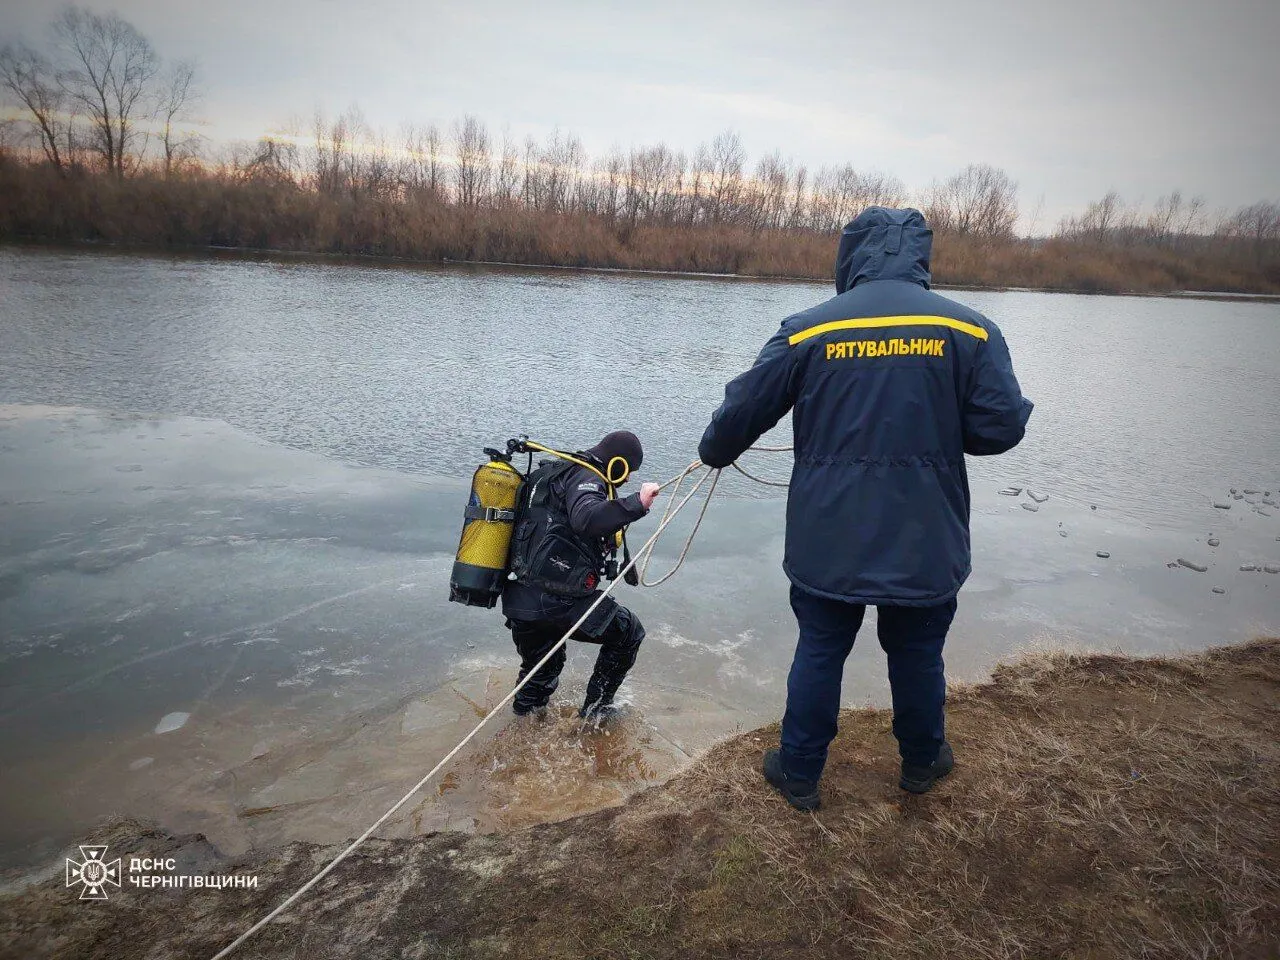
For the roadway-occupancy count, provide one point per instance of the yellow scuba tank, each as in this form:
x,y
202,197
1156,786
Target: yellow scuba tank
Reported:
x,y
480,569
484,551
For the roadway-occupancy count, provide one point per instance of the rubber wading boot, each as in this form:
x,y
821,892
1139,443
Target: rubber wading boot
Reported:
x,y
921,779
599,713
801,794
539,710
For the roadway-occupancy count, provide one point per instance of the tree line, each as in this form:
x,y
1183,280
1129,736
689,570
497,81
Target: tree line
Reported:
x,y
101,110
466,165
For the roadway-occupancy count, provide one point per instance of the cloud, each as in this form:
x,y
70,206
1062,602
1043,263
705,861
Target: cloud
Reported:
x,y
1072,99
846,131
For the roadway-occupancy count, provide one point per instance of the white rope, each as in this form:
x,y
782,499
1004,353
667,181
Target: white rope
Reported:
x,y
752,476
688,543
668,514
667,518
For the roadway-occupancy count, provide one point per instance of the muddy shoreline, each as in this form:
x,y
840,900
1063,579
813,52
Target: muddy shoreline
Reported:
x,y
1101,806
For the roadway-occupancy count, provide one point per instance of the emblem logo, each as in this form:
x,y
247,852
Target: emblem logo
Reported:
x,y
94,873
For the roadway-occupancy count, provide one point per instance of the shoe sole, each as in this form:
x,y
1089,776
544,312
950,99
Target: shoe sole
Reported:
x,y
923,786
804,804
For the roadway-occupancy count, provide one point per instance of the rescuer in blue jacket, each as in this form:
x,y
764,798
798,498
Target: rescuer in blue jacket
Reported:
x,y
890,386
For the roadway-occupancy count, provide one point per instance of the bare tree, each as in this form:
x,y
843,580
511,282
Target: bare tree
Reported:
x,y
560,165
10,137
671,197
799,202
879,190
374,171
979,200
29,79
769,191
724,166
1259,225
1097,222
612,177
270,160
113,66
696,200
650,172
1193,217
1036,213
1173,219
473,161
841,193
412,170
334,159
508,181
423,166
178,94
1164,217
832,197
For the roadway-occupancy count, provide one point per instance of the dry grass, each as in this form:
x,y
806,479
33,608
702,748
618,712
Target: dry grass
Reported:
x,y
1101,808
202,209
1104,808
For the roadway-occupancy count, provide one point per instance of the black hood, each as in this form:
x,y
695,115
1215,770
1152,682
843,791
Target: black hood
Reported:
x,y
884,244
620,443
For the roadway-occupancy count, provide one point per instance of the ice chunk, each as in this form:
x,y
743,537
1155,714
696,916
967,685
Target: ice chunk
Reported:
x,y
171,722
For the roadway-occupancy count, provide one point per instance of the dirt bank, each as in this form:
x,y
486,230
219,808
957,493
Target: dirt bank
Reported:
x,y
1101,807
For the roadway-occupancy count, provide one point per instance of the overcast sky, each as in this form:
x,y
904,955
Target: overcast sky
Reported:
x,y
1071,98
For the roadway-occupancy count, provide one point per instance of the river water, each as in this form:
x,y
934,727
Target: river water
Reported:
x,y
229,496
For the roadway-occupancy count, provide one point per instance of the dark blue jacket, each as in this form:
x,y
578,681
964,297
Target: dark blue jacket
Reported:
x,y
891,385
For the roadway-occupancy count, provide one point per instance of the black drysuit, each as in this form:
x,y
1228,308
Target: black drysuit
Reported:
x,y
538,619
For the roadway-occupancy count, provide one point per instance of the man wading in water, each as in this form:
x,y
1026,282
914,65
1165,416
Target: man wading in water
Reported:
x,y
891,386
558,548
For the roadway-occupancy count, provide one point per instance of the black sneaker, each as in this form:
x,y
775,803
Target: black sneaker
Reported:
x,y
801,794
921,779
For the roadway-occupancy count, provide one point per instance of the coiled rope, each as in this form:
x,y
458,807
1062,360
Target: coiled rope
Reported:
x,y
645,551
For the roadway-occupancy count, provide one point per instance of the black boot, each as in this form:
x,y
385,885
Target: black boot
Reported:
x,y
599,698
533,639
801,794
618,648
599,713
921,779
534,697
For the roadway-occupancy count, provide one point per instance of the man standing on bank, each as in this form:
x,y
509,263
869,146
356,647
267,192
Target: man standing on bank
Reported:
x,y
891,386
560,546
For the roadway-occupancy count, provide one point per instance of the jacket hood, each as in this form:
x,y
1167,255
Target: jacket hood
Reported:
x,y
884,244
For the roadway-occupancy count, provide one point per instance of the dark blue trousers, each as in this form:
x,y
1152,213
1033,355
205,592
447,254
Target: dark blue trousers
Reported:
x,y
911,637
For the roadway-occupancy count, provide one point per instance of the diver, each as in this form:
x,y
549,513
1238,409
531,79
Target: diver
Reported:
x,y
570,526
